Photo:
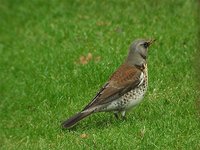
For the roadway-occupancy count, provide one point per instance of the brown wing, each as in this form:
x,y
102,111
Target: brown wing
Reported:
x,y
122,81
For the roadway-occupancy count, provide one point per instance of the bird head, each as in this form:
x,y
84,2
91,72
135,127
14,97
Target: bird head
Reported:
x,y
138,51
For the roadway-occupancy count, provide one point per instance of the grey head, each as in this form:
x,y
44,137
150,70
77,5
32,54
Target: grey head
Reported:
x,y
138,52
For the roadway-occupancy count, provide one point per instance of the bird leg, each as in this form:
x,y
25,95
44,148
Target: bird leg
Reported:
x,y
116,115
123,114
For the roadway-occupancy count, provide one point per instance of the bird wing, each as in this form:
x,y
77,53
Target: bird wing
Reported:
x,y
123,80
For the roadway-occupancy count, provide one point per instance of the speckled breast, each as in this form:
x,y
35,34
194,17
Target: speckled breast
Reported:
x,y
131,98
136,95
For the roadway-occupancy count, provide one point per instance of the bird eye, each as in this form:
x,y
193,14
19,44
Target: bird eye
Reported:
x,y
146,45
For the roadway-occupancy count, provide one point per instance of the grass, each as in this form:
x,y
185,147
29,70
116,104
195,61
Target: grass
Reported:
x,y
43,82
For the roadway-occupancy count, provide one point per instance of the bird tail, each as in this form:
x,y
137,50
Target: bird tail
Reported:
x,y
74,119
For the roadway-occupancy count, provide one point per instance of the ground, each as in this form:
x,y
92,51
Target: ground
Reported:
x,y
55,56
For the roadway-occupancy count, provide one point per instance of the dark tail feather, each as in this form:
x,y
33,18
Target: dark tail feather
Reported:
x,y
74,119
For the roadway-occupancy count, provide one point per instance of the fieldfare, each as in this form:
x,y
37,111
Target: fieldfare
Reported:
x,y
124,89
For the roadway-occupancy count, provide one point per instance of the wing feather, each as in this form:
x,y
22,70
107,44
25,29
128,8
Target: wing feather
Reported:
x,y
123,80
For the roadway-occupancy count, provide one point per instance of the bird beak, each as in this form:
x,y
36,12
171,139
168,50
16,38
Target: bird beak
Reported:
x,y
151,41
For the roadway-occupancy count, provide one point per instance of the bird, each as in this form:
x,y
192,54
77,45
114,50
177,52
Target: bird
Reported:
x,y
125,88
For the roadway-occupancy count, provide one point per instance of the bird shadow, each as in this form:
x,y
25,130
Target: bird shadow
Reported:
x,y
96,123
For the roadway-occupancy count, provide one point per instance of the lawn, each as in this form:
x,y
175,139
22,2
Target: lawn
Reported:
x,y
55,55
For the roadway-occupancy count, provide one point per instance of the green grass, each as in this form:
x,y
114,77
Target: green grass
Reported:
x,y
42,83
